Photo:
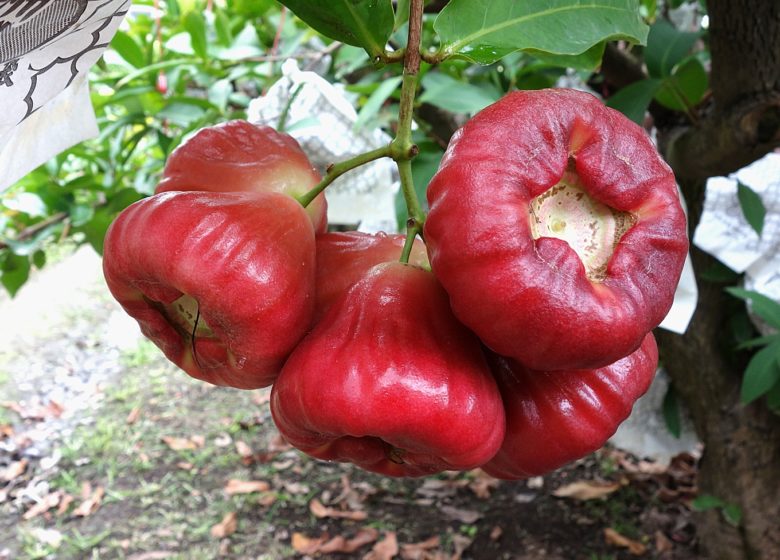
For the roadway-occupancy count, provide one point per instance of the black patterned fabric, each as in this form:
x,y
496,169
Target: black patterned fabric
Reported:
x,y
26,25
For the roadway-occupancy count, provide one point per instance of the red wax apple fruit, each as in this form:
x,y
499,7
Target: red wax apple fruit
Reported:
x,y
391,381
223,283
343,258
555,417
556,229
240,156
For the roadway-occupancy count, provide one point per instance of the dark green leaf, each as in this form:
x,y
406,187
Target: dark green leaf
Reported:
x,y
634,99
456,96
666,46
732,514
762,373
128,49
39,258
362,23
486,30
752,207
95,229
685,87
719,273
671,411
763,306
588,60
14,272
760,341
773,398
706,502
195,24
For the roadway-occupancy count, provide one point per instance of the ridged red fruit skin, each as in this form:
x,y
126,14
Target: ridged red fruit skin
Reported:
x,y
391,381
343,258
248,259
531,299
555,417
240,156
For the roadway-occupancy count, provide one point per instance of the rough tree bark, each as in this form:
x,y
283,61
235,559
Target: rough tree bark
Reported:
x,y
741,461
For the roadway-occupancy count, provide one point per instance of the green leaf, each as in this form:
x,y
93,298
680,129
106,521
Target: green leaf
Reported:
x,y
485,30
719,273
128,49
376,100
362,23
456,96
706,502
760,341
732,514
14,272
761,374
671,412
401,13
752,207
95,229
666,46
588,60
634,99
195,24
773,398
763,306
222,28
685,87
39,258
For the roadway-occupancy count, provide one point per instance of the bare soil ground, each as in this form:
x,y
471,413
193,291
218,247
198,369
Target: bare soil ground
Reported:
x,y
108,451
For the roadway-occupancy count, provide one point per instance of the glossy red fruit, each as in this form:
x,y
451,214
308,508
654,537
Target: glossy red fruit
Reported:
x,y
390,381
343,258
223,283
556,229
240,156
555,417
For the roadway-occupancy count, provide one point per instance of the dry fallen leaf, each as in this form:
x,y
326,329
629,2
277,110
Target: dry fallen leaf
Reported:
x,y
417,551
463,515
246,486
226,527
461,542
153,555
662,542
65,502
13,470
496,533
245,452
181,444
385,549
91,504
616,539
587,490
132,418
306,545
482,484
340,544
320,511
47,502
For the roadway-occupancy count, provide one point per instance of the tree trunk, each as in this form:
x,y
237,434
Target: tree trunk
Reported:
x,y
741,460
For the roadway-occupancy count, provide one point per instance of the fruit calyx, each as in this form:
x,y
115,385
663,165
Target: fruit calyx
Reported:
x,y
592,229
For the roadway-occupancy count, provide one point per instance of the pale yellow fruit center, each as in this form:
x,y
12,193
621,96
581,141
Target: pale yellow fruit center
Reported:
x,y
591,228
